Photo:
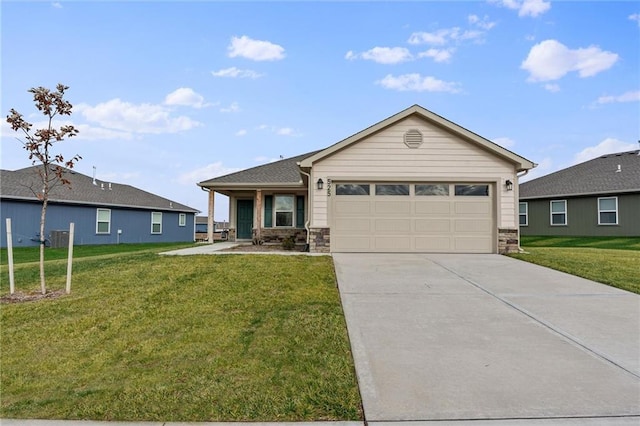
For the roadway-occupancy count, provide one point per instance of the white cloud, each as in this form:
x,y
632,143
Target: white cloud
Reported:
x,y
505,142
86,132
241,132
57,5
438,55
256,50
531,8
625,97
234,107
552,60
417,83
285,131
207,172
544,167
635,17
281,131
185,96
552,87
234,72
444,36
607,146
483,23
142,118
383,55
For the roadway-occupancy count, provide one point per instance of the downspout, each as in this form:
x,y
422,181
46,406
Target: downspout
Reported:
x,y
306,223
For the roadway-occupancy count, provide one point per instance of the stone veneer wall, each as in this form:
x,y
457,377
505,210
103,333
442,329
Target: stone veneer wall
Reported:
x,y
320,241
277,235
508,241
232,234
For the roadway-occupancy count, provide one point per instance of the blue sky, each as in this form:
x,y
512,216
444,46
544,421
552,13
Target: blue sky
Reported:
x,y
167,94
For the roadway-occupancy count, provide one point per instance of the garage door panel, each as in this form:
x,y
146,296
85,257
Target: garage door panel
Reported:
x,y
352,207
433,244
482,207
394,226
388,243
478,226
433,207
473,244
353,225
433,226
352,243
392,208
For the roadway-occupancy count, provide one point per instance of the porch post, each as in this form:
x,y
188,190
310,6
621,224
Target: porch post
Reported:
x,y
257,218
210,220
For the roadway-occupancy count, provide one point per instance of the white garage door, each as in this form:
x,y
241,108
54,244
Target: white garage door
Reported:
x,y
416,217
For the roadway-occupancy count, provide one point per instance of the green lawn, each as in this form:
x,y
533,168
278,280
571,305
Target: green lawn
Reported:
x,y
197,338
612,261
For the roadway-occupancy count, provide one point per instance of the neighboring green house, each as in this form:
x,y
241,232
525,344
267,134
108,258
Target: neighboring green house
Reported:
x,y
600,197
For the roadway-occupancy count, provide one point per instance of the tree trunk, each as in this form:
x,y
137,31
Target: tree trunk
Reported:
x,y
43,214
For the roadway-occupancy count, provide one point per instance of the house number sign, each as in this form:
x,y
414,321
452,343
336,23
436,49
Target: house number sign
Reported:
x,y
328,187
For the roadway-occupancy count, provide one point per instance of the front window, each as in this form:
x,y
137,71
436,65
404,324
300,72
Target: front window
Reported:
x,y
524,214
103,221
608,211
559,212
284,209
156,222
182,219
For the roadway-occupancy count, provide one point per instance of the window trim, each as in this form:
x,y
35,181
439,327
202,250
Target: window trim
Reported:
x,y
564,212
608,211
292,211
156,223
525,214
182,219
98,221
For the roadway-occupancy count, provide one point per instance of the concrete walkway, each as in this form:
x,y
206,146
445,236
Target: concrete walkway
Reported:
x,y
449,338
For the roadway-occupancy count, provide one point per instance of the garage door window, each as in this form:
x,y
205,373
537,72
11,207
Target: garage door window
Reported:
x,y
352,189
392,189
432,190
472,190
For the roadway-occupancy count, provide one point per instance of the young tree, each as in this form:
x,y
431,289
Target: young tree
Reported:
x,y
39,145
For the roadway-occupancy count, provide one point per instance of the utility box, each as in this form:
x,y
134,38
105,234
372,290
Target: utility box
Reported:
x,y
59,238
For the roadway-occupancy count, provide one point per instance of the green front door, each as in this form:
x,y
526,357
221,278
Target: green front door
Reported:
x,y
244,220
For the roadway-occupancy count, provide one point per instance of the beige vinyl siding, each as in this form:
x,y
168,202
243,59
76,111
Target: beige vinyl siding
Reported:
x,y
441,157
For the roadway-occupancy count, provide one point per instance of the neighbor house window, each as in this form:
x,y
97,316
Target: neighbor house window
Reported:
x,y
472,190
608,211
284,206
156,222
432,189
352,189
395,189
524,214
182,219
103,221
559,212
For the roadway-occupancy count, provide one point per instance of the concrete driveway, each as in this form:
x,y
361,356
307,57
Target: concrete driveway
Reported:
x,y
472,337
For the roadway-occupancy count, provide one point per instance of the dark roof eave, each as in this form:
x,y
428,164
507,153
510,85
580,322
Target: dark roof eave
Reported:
x,y
582,194
252,185
88,203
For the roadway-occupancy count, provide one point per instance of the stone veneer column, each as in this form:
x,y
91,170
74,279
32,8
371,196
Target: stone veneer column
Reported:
x,y
257,234
508,241
320,241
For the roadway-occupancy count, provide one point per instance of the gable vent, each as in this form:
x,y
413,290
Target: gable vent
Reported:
x,y
413,138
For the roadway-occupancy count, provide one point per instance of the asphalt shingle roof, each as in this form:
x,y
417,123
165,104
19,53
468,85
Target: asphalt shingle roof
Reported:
x,y
597,176
18,184
283,171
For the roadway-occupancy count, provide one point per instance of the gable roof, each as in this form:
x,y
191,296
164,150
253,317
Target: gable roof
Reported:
x,y
17,185
279,173
597,176
520,162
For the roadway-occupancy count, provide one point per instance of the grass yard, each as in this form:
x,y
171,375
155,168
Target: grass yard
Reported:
x,y
198,338
612,261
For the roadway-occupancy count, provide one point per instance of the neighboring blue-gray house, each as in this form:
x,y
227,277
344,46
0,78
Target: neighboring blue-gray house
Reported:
x,y
103,212
597,198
